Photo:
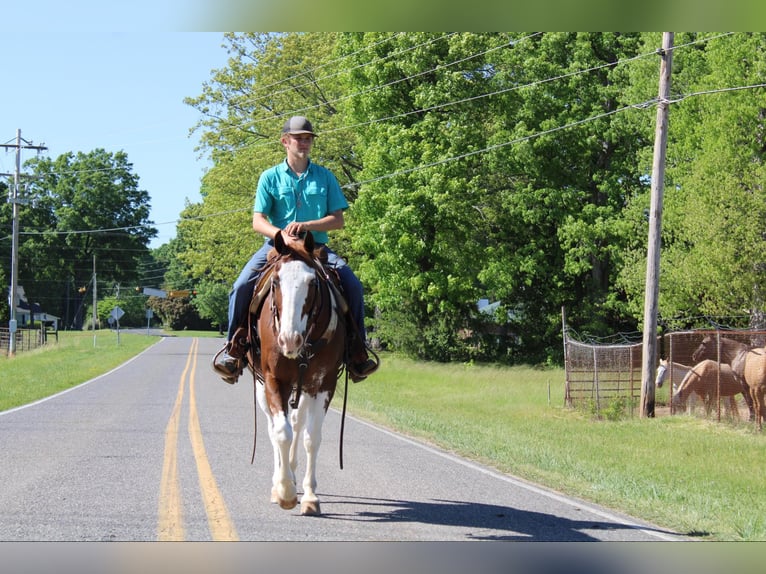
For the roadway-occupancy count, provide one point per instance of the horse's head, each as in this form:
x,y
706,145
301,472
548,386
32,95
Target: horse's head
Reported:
x,y
294,288
662,370
706,350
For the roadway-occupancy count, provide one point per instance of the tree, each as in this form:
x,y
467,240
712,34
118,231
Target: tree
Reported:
x,y
474,191
84,208
712,258
511,167
212,303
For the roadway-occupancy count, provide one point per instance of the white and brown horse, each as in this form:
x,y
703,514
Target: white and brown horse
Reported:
x,y
748,365
297,361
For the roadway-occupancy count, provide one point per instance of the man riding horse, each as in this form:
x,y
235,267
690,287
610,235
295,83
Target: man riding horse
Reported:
x,y
298,197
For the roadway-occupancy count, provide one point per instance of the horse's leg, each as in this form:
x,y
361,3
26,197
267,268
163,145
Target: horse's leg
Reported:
x,y
261,396
748,399
312,439
284,480
758,403
298,420
283,489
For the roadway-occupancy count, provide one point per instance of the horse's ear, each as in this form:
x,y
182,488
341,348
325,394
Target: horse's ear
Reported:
x,y
308,242
279,243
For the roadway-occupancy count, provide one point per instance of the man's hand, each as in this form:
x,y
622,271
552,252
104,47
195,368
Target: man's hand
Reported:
x,y
295,229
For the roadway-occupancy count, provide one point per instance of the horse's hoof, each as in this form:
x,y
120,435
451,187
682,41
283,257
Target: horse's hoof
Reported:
x,y
310,508
288,504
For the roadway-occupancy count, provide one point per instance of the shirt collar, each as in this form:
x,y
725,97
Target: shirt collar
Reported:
x,y
287,170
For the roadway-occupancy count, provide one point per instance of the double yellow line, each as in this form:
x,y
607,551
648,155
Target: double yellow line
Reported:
x,y
170,526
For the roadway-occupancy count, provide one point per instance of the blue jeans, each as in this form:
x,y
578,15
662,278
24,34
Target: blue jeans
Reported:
x,y
242,290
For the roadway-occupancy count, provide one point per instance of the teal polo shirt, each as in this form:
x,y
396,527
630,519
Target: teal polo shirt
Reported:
x,y
284,197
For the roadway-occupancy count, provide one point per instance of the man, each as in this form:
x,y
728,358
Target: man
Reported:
x,y
296,196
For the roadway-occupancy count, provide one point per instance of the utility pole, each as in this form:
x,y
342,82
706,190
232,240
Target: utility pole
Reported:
x,y
95,301
14,198
652,286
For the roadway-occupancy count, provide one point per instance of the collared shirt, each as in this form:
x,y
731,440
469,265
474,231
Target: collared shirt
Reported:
x,y
283,197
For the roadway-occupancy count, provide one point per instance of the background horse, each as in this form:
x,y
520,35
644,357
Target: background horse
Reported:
x,y
703,380
676,372
302,341
748,365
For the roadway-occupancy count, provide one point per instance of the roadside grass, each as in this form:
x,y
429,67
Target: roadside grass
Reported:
x,y
697,477
74,359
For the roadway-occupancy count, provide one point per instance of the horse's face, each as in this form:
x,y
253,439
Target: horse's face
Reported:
x,y
661,372
295,290
706,350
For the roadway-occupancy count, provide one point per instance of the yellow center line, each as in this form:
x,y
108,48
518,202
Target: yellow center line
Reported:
x,y
170,523
219,521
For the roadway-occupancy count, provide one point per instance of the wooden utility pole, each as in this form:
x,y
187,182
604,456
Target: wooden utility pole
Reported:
x,y
652,286
14,198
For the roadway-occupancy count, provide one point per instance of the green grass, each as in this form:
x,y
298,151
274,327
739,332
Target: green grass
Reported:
x,y
691,475
698,477
74,359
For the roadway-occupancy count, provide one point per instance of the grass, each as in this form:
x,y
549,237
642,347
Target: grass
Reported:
x,y
74,359
697,477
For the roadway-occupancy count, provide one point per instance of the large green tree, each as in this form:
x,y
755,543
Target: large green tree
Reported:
x,y
82,208
510,167
472,188
713,243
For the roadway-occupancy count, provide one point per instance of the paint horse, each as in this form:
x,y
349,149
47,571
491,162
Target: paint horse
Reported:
x,y
296,361
748,365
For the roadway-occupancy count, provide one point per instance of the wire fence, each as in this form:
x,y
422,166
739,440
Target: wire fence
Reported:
x,y
598,376
25,339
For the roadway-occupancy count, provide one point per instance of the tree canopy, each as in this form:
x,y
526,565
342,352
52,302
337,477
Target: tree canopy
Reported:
x,y
507,167
81,208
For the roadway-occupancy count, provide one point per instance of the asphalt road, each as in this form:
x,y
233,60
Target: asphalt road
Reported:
x,y
159,449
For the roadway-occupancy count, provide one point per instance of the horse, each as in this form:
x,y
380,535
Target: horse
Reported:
x,y
678,372
748,365
703,380
296,358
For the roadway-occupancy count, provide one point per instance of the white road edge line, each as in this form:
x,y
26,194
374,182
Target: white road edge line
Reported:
x,y
93,380
521,483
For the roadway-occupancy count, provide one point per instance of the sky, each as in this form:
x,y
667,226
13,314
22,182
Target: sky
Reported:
x,y
78,90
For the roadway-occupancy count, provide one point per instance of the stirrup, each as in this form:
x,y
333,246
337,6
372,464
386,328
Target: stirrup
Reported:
x,y
227,376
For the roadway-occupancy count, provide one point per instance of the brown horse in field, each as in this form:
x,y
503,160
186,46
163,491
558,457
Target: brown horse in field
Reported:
x,y
748,365
703,380
296,362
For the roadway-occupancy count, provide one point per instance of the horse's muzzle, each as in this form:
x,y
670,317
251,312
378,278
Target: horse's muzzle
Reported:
x,y
290,344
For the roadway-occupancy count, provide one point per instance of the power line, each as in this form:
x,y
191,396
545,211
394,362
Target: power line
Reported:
x,y
436,107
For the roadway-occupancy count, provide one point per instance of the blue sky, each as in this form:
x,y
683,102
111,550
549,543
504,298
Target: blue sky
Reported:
x,y
80,90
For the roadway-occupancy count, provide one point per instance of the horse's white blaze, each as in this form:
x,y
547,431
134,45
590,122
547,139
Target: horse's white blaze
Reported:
x,y
295,280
